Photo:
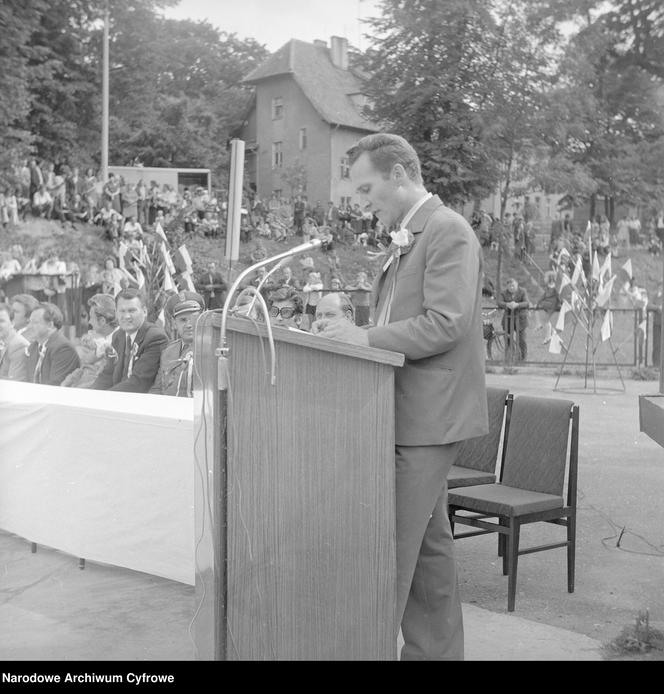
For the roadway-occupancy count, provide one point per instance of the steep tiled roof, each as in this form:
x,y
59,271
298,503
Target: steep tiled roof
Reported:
x,y
327,87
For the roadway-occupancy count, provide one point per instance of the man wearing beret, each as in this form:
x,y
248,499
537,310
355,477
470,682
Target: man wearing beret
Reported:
x,y
175,375
132,361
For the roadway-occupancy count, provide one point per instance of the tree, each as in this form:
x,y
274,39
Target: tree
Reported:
x,y
428,65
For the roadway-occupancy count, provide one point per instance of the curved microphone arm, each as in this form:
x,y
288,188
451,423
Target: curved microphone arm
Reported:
x,y
296,250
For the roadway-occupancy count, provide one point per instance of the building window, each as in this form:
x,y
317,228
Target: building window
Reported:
x,y
345,168
277,155
277,108
303,138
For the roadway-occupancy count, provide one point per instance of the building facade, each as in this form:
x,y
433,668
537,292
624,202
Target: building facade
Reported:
x,y
305,114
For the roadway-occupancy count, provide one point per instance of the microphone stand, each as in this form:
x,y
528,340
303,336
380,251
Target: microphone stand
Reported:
x,y
222,351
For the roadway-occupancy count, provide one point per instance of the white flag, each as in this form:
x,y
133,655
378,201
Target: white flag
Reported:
x,y
604,293
578,270
564,281
560,325
160,232
168,281
167,258
555,344
596,272
627,267
606,326
186,276
606,267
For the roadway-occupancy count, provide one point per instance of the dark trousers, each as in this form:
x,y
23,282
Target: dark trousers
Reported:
x,y
428,600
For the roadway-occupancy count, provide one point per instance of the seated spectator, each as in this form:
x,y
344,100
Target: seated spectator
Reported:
x,y
42,203
53,265
109,219
22,305
51,356
13,348
287,279
286,308
91,364
78,211
263,283
258,252
111,277
209,225
132,229
133,363
9,267
102,320
246,305
333,307
360,296
176,366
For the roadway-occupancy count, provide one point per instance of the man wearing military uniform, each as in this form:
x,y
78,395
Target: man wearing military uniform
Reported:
x,y
175,375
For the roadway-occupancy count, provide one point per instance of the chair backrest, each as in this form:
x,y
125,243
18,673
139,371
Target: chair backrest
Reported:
x,y
536,443
481,452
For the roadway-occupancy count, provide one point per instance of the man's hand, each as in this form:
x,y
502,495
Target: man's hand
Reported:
x,y
344,331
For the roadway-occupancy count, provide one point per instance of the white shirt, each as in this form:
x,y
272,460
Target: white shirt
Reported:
x,y
411,212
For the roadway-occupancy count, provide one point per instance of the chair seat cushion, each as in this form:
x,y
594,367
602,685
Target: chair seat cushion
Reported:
x,y
499,499
465,477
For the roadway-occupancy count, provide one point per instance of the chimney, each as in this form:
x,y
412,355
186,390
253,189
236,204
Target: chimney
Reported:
x,y
339,52
319,43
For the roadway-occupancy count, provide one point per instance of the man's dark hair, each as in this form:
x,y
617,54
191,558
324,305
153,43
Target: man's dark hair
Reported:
x,y
52,314
28,302
385,150
131,293
287,294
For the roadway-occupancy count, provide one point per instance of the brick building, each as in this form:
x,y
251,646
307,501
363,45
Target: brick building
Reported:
x,y
305,114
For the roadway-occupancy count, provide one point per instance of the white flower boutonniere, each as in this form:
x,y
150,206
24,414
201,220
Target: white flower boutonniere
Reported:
x,y
402,242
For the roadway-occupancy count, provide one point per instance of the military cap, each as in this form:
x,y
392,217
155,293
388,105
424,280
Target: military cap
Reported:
x,y
184,302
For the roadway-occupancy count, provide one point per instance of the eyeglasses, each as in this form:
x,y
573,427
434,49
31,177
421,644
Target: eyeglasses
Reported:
x,y
284,312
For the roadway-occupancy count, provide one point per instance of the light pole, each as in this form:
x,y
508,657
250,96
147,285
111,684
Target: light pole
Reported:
x,y
104,101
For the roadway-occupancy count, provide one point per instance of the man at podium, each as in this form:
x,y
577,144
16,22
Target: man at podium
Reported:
x,y
427,302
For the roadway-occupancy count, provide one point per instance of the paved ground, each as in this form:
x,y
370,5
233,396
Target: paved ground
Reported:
x,y
51,610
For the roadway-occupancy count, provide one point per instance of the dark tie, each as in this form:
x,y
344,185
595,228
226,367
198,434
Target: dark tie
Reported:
x,y
127,354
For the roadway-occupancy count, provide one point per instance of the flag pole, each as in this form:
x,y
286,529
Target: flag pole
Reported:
x,y
104,101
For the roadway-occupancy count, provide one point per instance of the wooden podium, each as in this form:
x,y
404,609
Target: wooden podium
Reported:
x,y
294,497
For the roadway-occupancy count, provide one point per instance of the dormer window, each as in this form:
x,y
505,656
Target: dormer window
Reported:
x,y
277,107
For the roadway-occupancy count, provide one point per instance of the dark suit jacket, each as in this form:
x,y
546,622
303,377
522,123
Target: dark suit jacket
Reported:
x,y
59,360
14,360
518,317
436,321
149,342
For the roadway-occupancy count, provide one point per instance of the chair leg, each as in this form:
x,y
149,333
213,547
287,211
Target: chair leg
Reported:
x,y
571,552
513,552
501,541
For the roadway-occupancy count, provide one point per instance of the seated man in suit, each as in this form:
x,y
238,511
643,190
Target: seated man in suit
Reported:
x,y
22,306
133,362
13,354
333,307
51,356
175,375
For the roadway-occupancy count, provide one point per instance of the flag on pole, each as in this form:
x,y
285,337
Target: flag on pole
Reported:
x,y
564,309
604,293
607,325
160,232
564,281
606,267
555,344
182,259
168,281
596,271
627,267
186,276
578,271
167,258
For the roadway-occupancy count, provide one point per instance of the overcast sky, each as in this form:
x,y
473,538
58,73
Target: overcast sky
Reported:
x,y
274,22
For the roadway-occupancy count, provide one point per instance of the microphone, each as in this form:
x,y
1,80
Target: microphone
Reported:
x,y
222,350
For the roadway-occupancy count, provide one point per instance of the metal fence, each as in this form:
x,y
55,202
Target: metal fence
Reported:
x,y
627,346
